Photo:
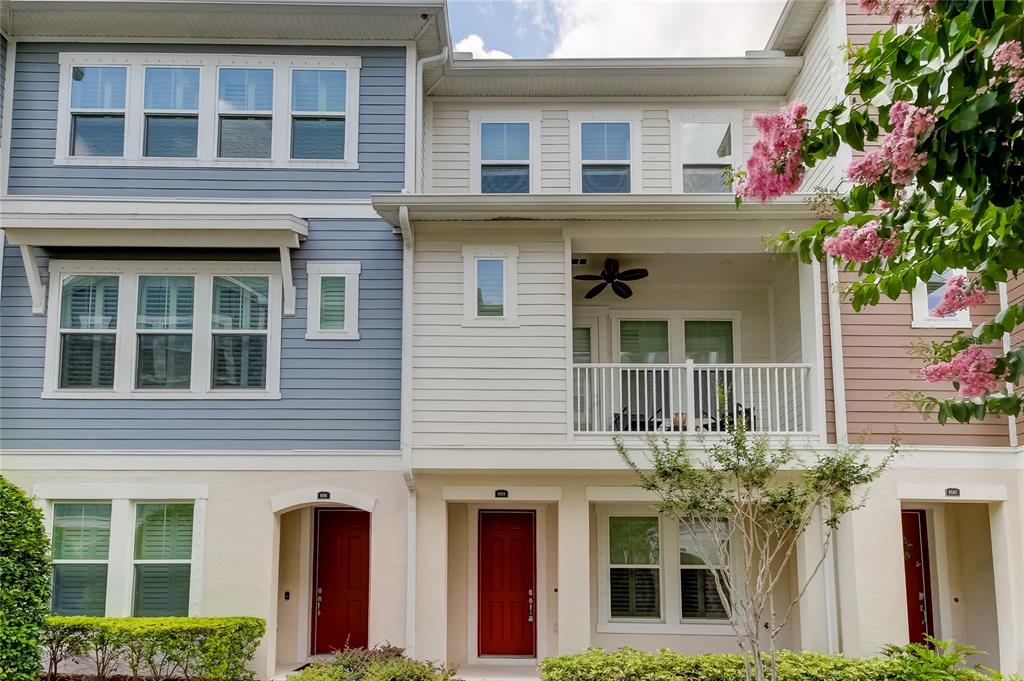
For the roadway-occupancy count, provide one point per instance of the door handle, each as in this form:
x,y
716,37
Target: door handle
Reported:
x,y
529,601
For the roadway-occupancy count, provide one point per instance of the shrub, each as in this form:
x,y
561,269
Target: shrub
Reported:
x,y
24,583
380,663
215,648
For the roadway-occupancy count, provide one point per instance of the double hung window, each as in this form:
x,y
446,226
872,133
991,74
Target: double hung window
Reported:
x,y
97,108
505,158
318,113
605,156
926,298
81,553
171,104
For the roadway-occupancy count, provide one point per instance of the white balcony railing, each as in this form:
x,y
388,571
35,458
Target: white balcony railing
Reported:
x,y
659,398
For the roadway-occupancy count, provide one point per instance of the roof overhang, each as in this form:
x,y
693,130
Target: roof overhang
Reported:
x,y
794,25
567,208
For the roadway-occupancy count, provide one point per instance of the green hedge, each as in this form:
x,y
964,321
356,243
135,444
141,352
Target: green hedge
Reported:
x,y
158,648
910,663
381,663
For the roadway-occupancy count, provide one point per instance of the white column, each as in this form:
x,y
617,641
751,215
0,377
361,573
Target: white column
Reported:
x,y
813,606
574,617
1007,575
431,575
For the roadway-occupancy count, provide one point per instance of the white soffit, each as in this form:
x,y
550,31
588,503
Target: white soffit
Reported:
x,y
794,25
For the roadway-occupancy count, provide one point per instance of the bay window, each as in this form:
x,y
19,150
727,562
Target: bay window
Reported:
x,y
184,330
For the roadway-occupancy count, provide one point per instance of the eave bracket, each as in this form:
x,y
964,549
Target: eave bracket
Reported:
x,y
35,283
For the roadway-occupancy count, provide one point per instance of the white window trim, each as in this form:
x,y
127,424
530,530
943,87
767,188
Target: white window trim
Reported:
x,y
922,320
121,550
127,338
478,118
576,120
315,272
679,116
209,65
671,621
510,256
677,329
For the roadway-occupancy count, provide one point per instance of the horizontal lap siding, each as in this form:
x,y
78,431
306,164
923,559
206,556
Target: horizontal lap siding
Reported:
x,y
878,366
34,123
1014,295
335,394
816,87
474,385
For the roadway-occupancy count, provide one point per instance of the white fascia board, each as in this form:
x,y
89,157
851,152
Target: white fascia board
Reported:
x,y
354,209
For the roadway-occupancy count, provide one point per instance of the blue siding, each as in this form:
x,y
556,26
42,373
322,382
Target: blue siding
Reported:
x,y
3,80
335,394
34,122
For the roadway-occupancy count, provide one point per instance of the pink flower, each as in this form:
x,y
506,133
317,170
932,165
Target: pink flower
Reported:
x,y
775,166
897,9
1009,57
959,296
971,368
868,169
889,246
861,245
898,156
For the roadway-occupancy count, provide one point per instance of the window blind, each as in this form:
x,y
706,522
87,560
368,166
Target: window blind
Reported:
x,y
163,549
81,532
332,303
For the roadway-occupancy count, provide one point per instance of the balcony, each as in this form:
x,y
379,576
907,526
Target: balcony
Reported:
x,y
613,399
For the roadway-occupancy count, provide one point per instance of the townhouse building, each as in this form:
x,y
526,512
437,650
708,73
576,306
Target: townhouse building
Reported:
x,y
291,326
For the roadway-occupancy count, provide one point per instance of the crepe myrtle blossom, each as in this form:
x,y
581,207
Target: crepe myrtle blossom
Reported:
x,y
775,166
897,9
861,245
1008,57
959,295
898,156
971,368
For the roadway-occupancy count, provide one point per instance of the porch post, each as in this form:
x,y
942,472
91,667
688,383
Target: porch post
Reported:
x,y
574,557
1007,568
814,608
431,574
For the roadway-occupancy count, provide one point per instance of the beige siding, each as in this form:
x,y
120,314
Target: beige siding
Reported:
x,y
471,383
554,151
449,150
1015,294
786,317
656,151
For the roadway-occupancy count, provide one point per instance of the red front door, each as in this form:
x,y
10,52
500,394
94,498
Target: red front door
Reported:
x,y
918,574
341,580
507,584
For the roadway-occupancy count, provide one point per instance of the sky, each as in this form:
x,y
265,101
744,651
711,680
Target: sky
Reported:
x,y
533,29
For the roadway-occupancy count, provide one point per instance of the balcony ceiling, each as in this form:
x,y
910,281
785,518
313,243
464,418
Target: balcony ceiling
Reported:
x,y
680,270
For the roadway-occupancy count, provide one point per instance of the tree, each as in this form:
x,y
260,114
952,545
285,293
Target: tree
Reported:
x,y
24,584
938,110
741,496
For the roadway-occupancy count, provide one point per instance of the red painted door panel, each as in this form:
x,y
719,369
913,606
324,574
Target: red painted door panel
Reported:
x,y
341,583
918,575
507,585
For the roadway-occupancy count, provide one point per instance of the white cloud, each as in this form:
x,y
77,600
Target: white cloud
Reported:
x,y
475,44
662,28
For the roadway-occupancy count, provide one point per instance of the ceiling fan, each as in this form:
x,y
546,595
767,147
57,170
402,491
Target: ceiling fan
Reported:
x,y
612,276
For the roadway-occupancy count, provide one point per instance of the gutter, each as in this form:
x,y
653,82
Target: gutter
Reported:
x,y
408,251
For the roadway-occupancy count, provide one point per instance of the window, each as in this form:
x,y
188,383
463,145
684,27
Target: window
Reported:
x,y
708,145
605,155
208,110
186,330
699,542
582,345
490,285
634,567
98,110
505,158
643,342
171,112
81,552
162,559
927,296
333,304
708,341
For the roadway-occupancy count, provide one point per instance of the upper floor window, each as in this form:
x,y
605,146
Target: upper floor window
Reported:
x,y
490,285
706,144
605,154
926,298
504,151
163,330
332,311
208,110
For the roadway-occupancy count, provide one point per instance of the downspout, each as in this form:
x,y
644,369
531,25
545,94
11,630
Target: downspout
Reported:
x,y
443,54
835,337
408,250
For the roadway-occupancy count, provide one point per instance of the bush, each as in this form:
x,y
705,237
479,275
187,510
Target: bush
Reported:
x,y
24,583
381,663
215,648
915,662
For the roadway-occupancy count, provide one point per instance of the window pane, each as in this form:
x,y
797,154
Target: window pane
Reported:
x,y
98,87
172,136
699,595
318,91
697,542
165,302
490,288
163,531
97,135
635,592
81,531
633,540
87,360
245,137
332,303
164,361
505,179
581,345
88,302
606,180
605,142
505,141
705,179
240,302
79,589
706,141
709,342
643,342
161,590
936,287
318,138
246,90
239,361
172,88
